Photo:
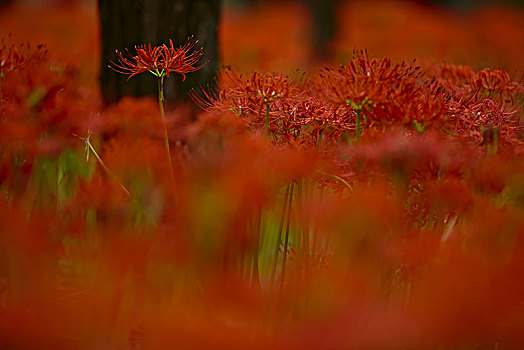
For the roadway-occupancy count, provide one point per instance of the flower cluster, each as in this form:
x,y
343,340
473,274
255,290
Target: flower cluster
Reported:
x,y
370,95
379,94
254,98
480,101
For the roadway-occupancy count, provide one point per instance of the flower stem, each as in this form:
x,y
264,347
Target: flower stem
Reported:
x,y
163,115
302,198
104,166
267,120
358,126
279,235
255,277
286,239
339,179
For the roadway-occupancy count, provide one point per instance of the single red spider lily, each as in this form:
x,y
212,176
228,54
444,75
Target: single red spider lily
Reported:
x,y
160,60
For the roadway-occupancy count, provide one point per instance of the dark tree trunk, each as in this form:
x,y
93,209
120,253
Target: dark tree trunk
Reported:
x,y
324,17
324,23
134,22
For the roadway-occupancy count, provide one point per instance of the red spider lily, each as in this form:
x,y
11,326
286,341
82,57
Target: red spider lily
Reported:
x,y
160,60
258,90
476,120
304,119
464,83
366,79
14,58
480,104
372,93
252,98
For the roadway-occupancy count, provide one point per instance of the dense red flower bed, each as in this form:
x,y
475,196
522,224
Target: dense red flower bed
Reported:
x,y
375,204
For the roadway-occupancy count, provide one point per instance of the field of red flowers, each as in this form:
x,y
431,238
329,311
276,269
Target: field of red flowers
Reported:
x,y
376,204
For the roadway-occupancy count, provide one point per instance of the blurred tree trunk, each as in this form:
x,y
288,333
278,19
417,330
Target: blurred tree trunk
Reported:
x,y
459,5
324,23
325,28
128,23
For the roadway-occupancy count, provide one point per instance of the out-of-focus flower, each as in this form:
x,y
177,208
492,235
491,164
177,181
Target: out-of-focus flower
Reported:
x,y
160,60
484,106
17,57
253,99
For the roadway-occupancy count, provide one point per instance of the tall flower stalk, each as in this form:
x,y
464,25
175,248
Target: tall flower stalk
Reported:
x,y
164,120
90,149
160,61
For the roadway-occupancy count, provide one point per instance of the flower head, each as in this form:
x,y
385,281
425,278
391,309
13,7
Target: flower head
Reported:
x,y
160,60
18,57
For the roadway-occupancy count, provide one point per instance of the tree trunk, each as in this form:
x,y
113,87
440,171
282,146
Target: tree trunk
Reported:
x,y
325,22
134,22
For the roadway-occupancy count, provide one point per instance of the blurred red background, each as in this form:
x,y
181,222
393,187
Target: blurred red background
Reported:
x,y
280,33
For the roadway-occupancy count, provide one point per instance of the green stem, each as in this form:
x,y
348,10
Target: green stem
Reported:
x,y
315,224
320,134
104,166
339,179
358,126
267,120
286,239
58,182
257,228
90,148
279,235
302,195
163,115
